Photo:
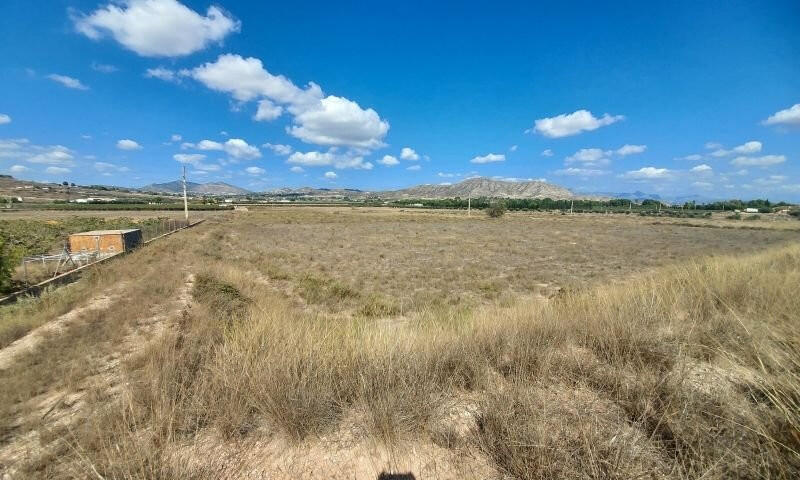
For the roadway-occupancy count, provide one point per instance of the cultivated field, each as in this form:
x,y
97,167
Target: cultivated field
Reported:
x,y
342,342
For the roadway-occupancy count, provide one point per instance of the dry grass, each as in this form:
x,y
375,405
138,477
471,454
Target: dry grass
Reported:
x,y
687,371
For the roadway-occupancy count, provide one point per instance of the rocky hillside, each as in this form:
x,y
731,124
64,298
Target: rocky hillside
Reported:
x,y
484,187
211,188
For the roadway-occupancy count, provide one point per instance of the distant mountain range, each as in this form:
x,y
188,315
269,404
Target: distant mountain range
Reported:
x,y
484,187
211,188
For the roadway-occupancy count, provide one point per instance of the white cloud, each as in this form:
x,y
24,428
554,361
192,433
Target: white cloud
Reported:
x,y
189,157
702,168
22,149
747,148
568,124
163,74
255,170
4,119
106,167
764,161
581,172
693,157
175,138
513,148
68,82
388,160
56,155
330,158
771,180
448,175
339,121
330,175
547,153
267,111
414,168
409,154
703,185
589,157
279,149
157,28
713,145
235,147
56,170
103,68
317,119
18,168
789,116
631,149
128,144
489,158
296,169
647,173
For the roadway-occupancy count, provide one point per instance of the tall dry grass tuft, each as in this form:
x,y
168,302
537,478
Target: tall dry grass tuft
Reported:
x,y
688,372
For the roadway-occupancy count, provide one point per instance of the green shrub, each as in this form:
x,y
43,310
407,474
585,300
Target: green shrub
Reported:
x,y
496,209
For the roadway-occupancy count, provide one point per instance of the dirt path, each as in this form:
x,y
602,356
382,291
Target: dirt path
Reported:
x,y
61,408
32,339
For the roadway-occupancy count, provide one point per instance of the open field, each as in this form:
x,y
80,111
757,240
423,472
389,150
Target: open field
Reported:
x,y
340,342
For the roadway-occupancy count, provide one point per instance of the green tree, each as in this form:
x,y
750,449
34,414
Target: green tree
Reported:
x,y
496,209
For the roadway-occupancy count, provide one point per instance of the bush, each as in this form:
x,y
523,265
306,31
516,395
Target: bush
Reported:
x,y
496,209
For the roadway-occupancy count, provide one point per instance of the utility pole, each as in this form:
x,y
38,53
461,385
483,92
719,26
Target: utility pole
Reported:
x,y
571,204
185,201
469,205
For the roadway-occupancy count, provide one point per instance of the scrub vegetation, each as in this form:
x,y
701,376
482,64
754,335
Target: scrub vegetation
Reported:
x,y
338,343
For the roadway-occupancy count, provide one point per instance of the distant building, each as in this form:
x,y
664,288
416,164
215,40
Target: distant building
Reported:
x,y
750,210
105,241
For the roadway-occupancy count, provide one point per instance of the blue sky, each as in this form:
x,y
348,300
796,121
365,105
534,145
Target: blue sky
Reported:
x,y
685,98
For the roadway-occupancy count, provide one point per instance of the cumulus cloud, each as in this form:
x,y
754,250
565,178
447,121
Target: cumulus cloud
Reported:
x,y
414,168
22,150
255,171
702,168
581,172
747,148
157,28
568,124
763,161
162,73
693,157
68,82
547,153
106,167
196,161
630,149
18,169
175,138
279,149
339,121
56,170
647,173
771,180
317,119
329,158
589,157
4,119
389,160
408,153
128,144
489,158
235,147
330,175
296,169
448,175
267,111
789,116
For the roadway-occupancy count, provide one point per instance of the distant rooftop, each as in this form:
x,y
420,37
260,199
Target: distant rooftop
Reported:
x,y
107,232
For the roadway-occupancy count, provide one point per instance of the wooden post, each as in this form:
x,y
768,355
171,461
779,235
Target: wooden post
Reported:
x,y
469,205
185,201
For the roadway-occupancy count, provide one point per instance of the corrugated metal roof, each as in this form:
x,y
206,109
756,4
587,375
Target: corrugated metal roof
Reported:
x,y
107,232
